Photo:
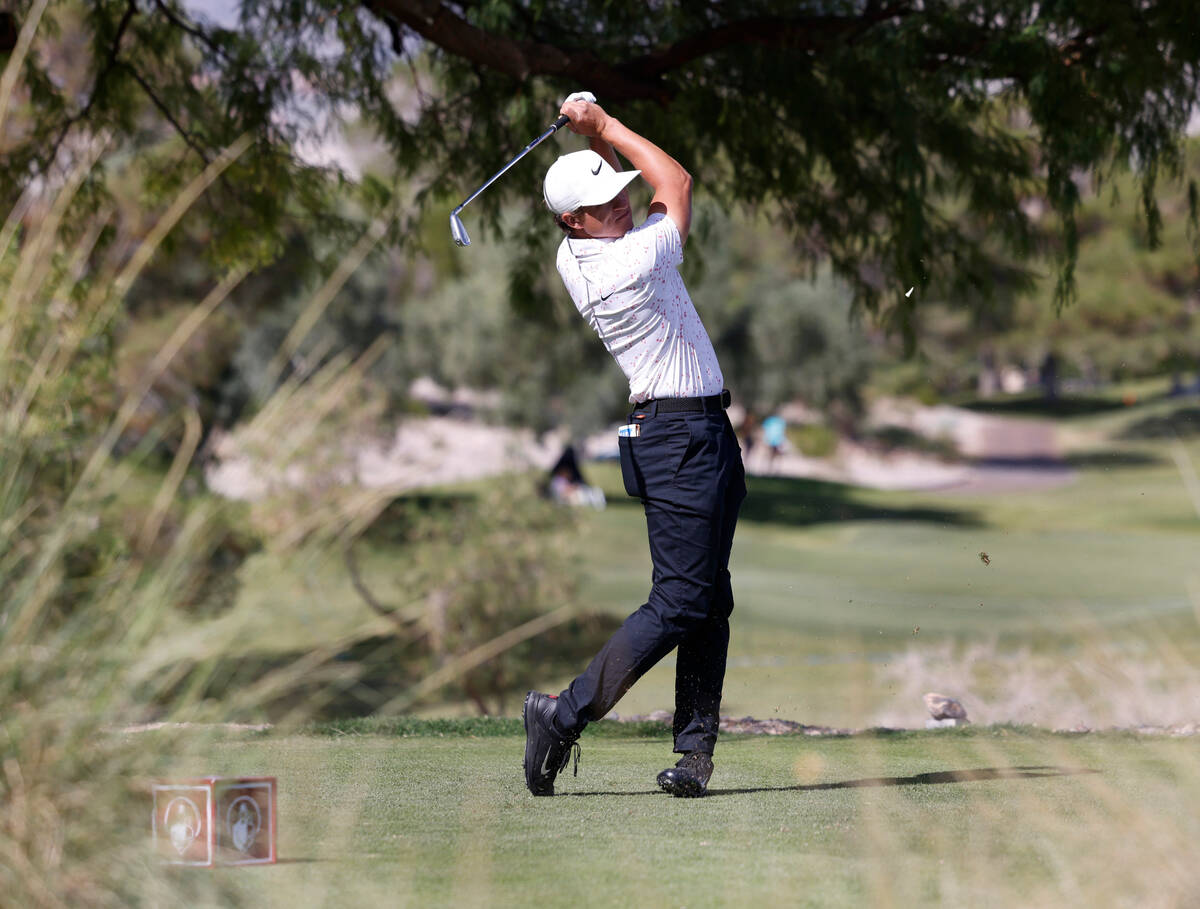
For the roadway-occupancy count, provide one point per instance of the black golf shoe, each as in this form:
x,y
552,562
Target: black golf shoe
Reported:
x,y
546,753
688,779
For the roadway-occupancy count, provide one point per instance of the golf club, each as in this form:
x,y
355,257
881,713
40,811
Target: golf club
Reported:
x,y
457,229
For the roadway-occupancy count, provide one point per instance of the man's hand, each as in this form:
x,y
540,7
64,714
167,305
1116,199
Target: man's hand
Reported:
x,y
587,118
672,184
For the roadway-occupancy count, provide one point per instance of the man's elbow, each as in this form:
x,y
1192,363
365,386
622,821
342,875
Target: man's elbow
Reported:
x,y
685,182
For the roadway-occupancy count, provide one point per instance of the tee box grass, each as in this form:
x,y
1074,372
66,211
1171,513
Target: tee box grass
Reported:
x,y
438,816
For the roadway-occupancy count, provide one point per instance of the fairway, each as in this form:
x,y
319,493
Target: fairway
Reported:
x,y
996,817
851,602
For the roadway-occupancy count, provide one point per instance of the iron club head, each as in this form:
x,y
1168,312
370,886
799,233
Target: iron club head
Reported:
x,y
458,230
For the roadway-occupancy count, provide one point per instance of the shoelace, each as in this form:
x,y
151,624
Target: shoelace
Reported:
x,y
573,750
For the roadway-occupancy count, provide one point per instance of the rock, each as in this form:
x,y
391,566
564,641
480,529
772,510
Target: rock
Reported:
x,y
937,724
944,708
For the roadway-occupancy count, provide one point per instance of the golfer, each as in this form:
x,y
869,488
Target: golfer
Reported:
x,y
679,454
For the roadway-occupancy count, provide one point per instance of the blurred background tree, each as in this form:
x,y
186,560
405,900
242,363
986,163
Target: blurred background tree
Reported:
x,y
852,121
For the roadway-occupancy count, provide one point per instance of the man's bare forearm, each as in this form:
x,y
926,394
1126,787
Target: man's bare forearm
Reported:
x,y
604,150
658,168
672,184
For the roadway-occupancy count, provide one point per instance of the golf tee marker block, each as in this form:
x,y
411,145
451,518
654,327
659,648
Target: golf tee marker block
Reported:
x,y
215,821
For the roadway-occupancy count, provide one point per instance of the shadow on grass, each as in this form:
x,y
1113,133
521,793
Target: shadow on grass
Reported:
x,y
919,779
396,522
1182,423
786,500
1103,460
1043,463
1039,406
801,502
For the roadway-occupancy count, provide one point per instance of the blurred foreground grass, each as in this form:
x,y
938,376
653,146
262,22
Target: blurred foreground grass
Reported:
x,y
96,557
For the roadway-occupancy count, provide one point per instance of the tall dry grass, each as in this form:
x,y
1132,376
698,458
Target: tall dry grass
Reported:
x,y
84,598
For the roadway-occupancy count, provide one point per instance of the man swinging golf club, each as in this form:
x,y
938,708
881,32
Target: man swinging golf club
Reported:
x,y
679,454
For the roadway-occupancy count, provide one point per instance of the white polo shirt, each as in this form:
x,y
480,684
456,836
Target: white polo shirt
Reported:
x,y
631,293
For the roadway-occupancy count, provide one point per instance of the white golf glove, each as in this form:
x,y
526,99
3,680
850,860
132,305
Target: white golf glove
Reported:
x,y
581,96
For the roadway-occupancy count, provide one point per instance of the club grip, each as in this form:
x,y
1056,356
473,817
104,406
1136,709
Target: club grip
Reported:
x,y
561,121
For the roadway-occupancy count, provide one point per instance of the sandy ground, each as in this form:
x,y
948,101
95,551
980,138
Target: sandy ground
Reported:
x,y
430,451
1005,454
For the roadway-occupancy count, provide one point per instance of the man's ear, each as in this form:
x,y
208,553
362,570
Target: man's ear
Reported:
x,y
572,219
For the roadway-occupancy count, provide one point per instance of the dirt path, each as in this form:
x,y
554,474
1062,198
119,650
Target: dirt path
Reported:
x,y
1003,454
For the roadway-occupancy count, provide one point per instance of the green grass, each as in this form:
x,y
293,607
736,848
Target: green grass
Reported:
x,y
971,817
850,604
848,600
825,599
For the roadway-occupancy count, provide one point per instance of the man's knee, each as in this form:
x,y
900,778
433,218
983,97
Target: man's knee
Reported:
x,y
684,604
723,595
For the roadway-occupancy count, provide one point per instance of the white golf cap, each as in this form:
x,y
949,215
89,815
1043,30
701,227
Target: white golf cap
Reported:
x,y
582,178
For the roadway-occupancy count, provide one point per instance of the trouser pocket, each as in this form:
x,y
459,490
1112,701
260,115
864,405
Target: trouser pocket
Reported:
x,y
631,476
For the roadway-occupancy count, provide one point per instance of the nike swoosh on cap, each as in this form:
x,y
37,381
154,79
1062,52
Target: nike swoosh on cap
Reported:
x,y
596,172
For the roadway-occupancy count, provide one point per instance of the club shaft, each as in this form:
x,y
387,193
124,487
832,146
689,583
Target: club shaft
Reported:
x,y
554,127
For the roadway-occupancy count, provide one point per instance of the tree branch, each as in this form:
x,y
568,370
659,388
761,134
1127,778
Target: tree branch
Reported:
x,y
167,115
440,25
110,64
392,615
197,33
807,33
642,77
638,78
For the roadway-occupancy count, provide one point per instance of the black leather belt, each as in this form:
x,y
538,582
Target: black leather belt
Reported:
x,y
711,403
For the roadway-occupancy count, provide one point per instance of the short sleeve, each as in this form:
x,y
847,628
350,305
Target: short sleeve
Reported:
x,y
633,259
664,233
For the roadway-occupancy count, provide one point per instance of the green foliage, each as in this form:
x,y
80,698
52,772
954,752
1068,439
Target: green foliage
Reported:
x,y
87,577
855,121
487,566
111,561
813,440
780,333
1135,312
470,570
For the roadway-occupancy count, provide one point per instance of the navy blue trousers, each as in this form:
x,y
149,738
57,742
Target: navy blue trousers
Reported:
x,y
687,470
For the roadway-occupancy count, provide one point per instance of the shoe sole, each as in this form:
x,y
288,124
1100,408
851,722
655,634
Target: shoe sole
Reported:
x,y
685,788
